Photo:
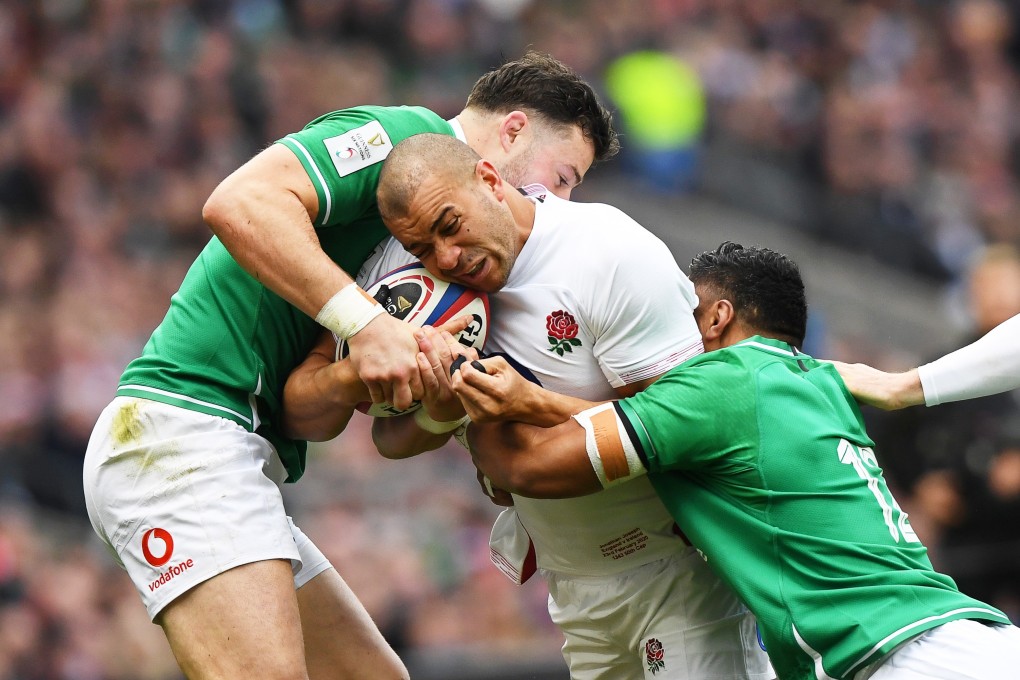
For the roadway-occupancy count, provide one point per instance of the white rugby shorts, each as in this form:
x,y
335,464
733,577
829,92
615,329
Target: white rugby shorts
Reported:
x,y
672,619
181,496
958,650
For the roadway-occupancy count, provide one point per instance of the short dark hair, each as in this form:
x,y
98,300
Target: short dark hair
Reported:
x,y
541,85
764,286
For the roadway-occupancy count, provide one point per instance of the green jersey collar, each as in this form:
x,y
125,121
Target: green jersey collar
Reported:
x,y
773,346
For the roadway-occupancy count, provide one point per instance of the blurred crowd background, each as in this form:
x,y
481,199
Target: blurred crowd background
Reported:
x,y
885,128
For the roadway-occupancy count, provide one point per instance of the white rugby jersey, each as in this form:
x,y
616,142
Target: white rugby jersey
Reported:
x,y
594,301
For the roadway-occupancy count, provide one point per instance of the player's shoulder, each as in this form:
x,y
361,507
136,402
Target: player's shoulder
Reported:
x,y
600,227
399,121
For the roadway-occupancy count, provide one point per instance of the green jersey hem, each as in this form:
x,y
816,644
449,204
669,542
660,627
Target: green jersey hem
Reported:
x,y
185,402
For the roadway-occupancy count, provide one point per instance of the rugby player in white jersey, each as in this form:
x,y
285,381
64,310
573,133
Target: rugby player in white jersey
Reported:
x,y
588,307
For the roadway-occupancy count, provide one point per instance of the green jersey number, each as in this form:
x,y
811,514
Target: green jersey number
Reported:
x,y
865,464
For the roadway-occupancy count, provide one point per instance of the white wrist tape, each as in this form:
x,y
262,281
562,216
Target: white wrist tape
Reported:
x,y
349,311
610,450
425,422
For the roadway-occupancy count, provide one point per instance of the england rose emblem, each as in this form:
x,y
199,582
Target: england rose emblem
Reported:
x,y
654,655
562,330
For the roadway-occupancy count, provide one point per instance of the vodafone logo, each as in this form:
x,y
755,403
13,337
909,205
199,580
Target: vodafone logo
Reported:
x,y
163,552
158,548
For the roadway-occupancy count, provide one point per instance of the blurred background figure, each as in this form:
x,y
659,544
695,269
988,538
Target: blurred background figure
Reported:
x,y
661,110
875,141
959,463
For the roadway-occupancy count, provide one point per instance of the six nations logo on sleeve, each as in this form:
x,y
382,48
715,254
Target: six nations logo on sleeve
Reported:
x,y
358,148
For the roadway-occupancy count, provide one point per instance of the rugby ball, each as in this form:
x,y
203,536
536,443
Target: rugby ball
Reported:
x,y
412,294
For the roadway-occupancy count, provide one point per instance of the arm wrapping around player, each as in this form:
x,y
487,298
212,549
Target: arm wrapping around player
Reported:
x,y
501,394
536,462
263,214
321,394
987,366
573,456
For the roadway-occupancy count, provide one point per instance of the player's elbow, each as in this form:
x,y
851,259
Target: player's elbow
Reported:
x,y
311,431
217,208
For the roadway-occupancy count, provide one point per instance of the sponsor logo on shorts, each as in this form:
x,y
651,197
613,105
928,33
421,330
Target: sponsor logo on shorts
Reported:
x,y
165,552
169,574
158,548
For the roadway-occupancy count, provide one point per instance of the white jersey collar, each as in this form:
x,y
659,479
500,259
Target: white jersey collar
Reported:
x,y
458,129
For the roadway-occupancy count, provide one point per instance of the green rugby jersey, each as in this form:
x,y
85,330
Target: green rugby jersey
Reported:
x,y
761,455
227,342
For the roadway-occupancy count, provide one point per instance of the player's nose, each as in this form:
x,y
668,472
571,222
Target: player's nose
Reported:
x,y
447,257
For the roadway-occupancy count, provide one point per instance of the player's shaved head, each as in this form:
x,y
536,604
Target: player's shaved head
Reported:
x,y
416,158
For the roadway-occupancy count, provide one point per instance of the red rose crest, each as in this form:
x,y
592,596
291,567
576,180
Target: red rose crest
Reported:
x,y
562,330
654,655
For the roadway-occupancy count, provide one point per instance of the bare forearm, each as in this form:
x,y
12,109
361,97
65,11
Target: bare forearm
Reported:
x,y
400,437
319,399
545,408
532,461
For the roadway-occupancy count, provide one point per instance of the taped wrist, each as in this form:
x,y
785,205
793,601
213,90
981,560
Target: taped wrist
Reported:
x,y
612,454
347,312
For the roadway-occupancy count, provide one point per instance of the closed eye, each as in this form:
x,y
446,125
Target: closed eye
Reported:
x,y
451,227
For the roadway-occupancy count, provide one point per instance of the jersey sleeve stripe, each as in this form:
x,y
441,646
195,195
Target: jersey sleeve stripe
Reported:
x,y
664,364
631,434
610,446
324,217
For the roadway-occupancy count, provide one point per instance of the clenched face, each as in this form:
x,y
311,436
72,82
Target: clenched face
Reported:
x,y
461,231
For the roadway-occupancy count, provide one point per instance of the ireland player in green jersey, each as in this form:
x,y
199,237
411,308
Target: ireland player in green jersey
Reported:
x,y
182,471
760,454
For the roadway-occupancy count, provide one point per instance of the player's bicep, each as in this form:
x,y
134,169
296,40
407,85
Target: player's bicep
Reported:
x,y
532,461
630,389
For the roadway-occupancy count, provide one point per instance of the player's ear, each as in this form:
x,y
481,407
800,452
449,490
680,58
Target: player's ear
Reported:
x,y
715,318
513,125
487,173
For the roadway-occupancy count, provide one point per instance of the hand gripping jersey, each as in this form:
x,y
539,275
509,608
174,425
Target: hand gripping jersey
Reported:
x,y
594,301
227,342
761,455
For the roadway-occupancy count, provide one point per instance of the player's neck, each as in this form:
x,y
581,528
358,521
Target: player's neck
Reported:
x,y
523,210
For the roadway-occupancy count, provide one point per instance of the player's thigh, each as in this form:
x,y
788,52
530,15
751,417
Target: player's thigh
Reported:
x,y
242,623
341,640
